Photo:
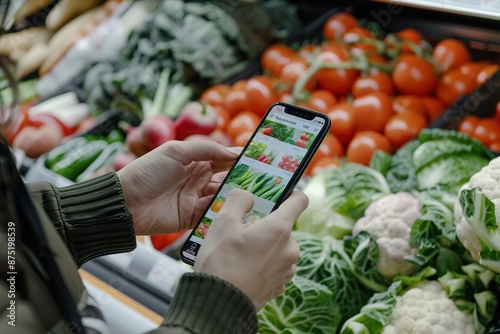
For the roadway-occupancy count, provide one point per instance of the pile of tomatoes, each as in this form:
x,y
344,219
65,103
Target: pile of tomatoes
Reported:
x,y
486,130
378,92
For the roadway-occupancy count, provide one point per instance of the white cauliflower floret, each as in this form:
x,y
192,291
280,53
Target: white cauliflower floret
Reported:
x,y
488,179
426,309
388,220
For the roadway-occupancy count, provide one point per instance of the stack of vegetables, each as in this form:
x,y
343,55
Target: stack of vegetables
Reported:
x,y
378,89
406,245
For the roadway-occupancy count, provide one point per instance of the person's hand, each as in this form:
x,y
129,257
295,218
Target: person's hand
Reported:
x,y
258,257
168,189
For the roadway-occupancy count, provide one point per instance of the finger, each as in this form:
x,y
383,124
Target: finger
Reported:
x,y
221,166
289,210
238,202
187,152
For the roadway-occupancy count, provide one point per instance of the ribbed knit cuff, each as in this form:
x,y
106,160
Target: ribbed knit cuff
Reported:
x,y
205,304
96,219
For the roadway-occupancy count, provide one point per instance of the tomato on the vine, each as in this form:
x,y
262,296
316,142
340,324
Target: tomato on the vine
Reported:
x,y
215,95
405,103
414,75
236,100
468,125
260,94
338,24
245,121
329,147
320,100
307,50
364,144
342,122
337,81
292,71
487,131
376,82
223,117
403,127
275,57
433,106
372,111
450,54
472,69
486,73
453,85
409,35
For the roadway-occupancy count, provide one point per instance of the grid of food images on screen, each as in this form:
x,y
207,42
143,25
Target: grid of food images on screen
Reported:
x,y
266,167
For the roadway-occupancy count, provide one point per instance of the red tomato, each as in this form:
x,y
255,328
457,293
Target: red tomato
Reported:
x,y
337,81
453,85
321,100
409,35
363,146
330,147
376,82
468,125
275,57
404,103
236,99
356,33
372,111
325,162
403,127
223,117
495,146
294,70
487,131
245,121
342,117
486,73
450,54
338,24
414,75
161,241
433,106
472,68
215,95
260,94
307,50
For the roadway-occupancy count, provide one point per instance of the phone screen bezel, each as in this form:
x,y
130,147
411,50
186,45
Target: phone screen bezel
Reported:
x,y
295,111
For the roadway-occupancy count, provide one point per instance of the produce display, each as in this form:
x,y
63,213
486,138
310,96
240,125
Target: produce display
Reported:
x,y
401,232
390,252
378,89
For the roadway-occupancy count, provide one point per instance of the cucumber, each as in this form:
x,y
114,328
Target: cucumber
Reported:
x,y
269,194
276,196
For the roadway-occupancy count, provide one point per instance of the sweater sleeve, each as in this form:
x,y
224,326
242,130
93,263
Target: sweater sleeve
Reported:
x,y
90,216
205,304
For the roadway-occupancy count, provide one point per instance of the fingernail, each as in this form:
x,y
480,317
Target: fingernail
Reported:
x,y
234,150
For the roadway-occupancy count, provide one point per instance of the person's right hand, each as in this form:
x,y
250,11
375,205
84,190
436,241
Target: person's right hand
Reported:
x,y
258,257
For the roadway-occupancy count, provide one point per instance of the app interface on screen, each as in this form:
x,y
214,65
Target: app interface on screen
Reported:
x,y
265,168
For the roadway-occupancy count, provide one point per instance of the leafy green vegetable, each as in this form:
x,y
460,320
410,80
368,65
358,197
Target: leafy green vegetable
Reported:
x,y
479,211
381,162
238,172
401,174
346,267
304,307
338,197
255,149
199,42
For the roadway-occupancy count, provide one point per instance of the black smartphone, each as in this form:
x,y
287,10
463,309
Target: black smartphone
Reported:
x,y
269,166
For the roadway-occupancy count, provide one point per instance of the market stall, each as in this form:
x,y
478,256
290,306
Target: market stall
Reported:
x,y
401,232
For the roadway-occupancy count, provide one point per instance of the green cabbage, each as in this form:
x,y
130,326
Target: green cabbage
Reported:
x,y
338,197
304,307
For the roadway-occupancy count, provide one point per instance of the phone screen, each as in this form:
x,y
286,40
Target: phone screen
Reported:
x,y
269,166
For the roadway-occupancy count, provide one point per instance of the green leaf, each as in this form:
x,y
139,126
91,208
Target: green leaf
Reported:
x,y
381,161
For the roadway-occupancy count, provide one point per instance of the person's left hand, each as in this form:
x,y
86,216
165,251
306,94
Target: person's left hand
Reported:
x,y
168,189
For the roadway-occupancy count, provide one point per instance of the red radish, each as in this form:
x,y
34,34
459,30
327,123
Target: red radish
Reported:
x,y
123,159
135,143
157,130
196,118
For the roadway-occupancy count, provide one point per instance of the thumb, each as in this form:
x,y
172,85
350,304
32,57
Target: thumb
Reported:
x,y
238,202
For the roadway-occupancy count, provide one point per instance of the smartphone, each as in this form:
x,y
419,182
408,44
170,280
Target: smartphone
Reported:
x,y
269,166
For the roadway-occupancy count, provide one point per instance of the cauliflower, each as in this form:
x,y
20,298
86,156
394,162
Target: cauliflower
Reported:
x,y
426,309
488,180
388,220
